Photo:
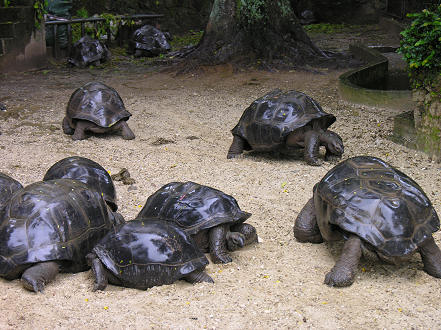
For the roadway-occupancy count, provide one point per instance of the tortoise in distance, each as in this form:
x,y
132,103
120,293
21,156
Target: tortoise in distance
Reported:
x,y
213,218
96,108
49,227
88,51
286,121
373,207
144,253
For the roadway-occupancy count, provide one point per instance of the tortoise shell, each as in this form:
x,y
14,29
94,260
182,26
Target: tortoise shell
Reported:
x,y
87,171
367,197
193,207
267,122
8,186
97,103
150,40
144,253
58,220
88,51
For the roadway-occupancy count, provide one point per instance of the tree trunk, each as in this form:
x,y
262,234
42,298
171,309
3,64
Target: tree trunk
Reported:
x,y
264,30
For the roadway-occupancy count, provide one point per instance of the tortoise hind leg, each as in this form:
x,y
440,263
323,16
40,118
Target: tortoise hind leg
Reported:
x,y
431,256
312,145
305,226
98,272
236,147
37,276
344,270
198,276
218,246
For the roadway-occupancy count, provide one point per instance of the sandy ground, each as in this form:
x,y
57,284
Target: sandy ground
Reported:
x,y
277,283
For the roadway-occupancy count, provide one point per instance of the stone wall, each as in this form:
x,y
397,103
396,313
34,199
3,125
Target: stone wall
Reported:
x,y
427,119
180,15
22,47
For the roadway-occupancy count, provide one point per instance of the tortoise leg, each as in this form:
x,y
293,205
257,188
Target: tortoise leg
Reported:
x,y
344,270
431,256
236,147
333,144
198,276
80,130
312,145
98,272
248,232
37,276
126,132
66,127
305,226
217,242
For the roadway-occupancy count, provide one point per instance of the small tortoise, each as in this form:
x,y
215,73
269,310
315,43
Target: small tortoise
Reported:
x,y
144,253
372,206
286,120
148,41
97,108
87,171
49,227
213,218
88,51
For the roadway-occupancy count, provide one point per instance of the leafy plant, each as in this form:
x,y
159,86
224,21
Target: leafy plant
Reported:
x,y
421,46
6,3
190,38
256,14
40,10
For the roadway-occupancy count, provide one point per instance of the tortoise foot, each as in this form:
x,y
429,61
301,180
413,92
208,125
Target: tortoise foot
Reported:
x,y
314,162
221,259
339,277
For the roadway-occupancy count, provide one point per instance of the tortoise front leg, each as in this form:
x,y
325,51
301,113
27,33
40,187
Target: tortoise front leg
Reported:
x,y
343,273
247,231
312,145
217,242
305,226
198,276
236,147
37,276
80,130
67,129
98,271
431,256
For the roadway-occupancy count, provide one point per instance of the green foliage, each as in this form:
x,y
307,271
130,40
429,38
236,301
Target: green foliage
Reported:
x,y
40,10
82,13
6,3
421,46
190,38
257,14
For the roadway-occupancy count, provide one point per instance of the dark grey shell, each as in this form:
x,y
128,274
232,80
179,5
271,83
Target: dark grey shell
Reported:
x,y
8,186
87,51
87,171
58,220
147,252
267,122
193,207
149,40
383,206
98,103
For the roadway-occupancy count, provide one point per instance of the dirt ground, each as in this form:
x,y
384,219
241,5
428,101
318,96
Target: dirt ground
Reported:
x,y
277,283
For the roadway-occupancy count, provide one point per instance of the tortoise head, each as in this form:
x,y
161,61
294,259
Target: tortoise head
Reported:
x,y
235,241
335,144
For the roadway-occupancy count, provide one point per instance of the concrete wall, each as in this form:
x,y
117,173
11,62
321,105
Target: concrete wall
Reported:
x,y
22,47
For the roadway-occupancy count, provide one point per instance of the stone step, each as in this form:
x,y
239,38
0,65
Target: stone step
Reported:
x,y
16,14
11,30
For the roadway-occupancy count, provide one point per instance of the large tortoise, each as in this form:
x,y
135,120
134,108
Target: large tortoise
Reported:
x,y
286,120
87,171
148,41
373,206
88,51
213,218
97,108
144,253
49,227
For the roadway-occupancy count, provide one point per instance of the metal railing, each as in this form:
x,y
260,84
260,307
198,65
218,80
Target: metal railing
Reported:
x,y
56,21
